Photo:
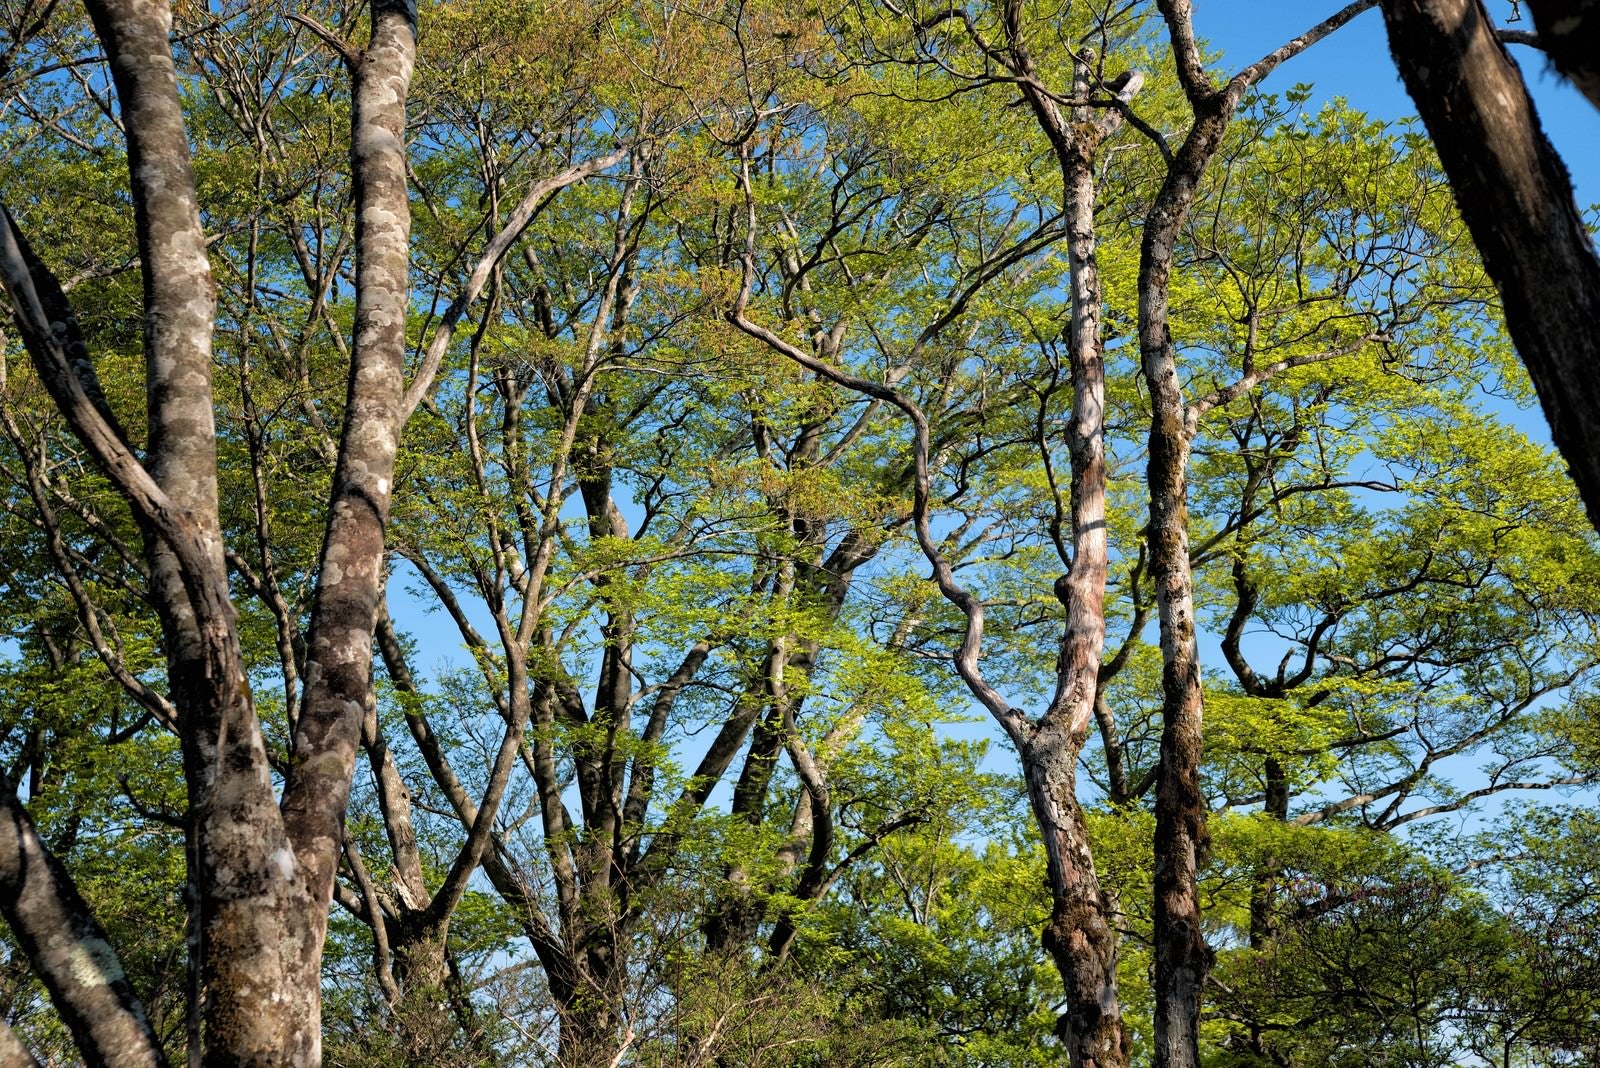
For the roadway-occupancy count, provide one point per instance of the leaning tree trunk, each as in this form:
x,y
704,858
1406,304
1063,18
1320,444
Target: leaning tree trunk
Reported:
x,y
1516,198
1569,32
68,951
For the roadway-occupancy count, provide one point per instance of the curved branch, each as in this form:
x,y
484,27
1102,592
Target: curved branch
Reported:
x,y
1014,722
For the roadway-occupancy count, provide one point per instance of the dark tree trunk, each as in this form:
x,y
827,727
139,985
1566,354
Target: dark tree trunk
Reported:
x,y
1569,31
1182,957
1516,198
1262,924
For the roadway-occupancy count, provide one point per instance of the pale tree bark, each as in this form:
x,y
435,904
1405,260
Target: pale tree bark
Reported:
x,y
248,902
1182,957
583,960
1079,935
338,671
246,897
413,926
1516,198
262,904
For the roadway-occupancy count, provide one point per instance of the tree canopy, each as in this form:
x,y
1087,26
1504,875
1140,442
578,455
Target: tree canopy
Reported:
x,y
770,534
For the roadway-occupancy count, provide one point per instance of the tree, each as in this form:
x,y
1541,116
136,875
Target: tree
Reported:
x,y
261,875
1516,197
670,778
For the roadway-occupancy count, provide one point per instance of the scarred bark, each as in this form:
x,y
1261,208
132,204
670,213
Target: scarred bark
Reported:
x,y
1516,198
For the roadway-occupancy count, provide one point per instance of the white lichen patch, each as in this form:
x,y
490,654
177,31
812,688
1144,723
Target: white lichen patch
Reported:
x,y
282,861
94,963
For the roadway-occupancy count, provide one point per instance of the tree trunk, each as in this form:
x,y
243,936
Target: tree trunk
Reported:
x,y
1181,954
350,576
421,969
13,1052
1516,198
252,911
1079,936
68,952
1569,31
1262,924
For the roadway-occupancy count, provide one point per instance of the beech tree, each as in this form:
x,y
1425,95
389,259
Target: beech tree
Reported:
x,y
260,874
733,395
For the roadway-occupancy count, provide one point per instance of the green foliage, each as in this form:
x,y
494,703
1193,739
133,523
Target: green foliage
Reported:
x,y
696,558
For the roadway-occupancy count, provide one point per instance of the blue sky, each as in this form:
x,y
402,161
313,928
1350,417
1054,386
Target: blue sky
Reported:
x,y
1354,63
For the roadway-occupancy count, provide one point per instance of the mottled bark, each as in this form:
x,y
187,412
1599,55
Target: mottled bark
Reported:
x,y
1181,840
1516,198
249,905
349,591
68,951
1079,936
1182,957
179,295
251,911
263,905
1181,954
